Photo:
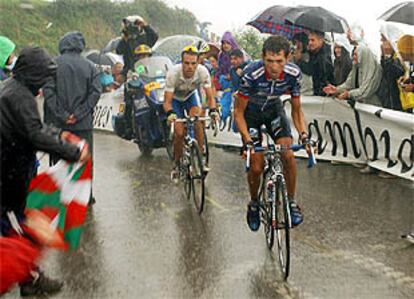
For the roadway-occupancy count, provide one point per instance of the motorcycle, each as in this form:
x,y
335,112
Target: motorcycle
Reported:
x,y
144,98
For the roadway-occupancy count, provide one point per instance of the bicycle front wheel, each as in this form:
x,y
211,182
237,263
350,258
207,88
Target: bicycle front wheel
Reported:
x,y
266,212
185,176
206,150
188,185
197,177
283,227
169,142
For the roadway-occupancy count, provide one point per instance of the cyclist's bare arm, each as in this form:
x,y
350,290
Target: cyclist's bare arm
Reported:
x,y
210,97
298,117
168,97
240,105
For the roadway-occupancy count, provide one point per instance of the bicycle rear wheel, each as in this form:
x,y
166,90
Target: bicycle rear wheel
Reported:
x,y
283,227
185,175
197,177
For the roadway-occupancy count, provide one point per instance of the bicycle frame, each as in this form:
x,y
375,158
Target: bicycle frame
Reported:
x,y
189,122
274,167
274,203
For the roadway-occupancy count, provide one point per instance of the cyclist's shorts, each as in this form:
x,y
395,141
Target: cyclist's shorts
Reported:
x,y
273,117
192,101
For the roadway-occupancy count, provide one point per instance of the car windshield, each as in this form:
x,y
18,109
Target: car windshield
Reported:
x,y
153,67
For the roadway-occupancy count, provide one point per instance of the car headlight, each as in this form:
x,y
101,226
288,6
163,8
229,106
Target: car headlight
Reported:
x,y
160,95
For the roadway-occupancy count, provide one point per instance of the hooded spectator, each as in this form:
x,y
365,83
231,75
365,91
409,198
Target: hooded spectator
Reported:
x,y
7,57
342,62
363,81
21,135
356,35
71,98
228,43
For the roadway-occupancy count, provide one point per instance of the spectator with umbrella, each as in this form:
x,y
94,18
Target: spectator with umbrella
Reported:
x,y
404,13
320,65
318,20
392,68
301,55
289,21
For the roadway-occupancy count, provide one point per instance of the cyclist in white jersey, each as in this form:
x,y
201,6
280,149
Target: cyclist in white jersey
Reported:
x,y
182,92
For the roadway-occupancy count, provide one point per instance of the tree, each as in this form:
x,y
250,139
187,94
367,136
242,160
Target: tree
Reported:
x,y
251,41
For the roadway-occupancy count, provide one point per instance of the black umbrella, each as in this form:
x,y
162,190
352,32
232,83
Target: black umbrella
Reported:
x,y
400,13
275,14
317,18
111,45
99,58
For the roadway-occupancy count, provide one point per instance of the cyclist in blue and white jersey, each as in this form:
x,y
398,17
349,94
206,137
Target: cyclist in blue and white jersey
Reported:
x,y
258,103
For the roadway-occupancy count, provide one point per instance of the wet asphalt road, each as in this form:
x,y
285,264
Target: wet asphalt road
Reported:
x,y
143,239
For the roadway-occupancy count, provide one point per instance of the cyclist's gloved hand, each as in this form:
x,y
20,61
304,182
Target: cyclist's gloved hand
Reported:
x,y
247,146
213,113
304,139
171,117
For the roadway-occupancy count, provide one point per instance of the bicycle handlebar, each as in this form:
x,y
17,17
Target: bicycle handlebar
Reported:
x,y
215,127
187,119
311,159
192,119
282,148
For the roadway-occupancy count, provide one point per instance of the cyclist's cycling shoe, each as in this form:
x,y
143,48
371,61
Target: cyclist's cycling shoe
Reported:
x,y
253,215
295,213
409,237
42,285
175,175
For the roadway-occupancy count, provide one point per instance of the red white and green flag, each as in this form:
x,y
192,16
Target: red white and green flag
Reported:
x,y
62,193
